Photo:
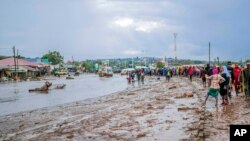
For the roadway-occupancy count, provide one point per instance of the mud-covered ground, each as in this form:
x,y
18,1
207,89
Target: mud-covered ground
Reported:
x,y
166,111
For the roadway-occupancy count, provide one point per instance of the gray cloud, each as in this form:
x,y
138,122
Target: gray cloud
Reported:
x,y
125,28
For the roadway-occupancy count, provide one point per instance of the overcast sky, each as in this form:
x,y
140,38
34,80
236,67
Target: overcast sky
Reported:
x,y
90,29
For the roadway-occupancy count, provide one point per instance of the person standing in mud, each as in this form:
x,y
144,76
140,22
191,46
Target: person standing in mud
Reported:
x,y
138,75
214,89
159,74
168,75
150,72
203,77
230,70
246,75
133,76
237,71
185,71
224,85
180,71
142,77
190,72
209,73
129,77
164,71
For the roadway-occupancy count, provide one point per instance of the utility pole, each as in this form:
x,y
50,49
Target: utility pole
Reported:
x,y
175,58
132,62
17,59
218,59
145,58
14,53
209,52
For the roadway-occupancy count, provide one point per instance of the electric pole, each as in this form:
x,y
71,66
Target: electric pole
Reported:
x,y
145,59
218,59
14,53
175,59
132,62
209,52
17,59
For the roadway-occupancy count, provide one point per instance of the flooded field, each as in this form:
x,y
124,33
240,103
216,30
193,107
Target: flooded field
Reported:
x,y
14,96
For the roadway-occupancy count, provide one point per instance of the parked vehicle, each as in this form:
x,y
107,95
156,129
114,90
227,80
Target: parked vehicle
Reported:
x,y
126,71
105,71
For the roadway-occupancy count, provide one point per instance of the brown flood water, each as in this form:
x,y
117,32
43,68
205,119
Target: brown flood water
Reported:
x,y
159,110
14,96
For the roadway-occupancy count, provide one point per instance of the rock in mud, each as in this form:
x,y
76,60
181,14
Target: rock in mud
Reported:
x,y
172,87
70,136
162,98
185,95
131,93
193,127
190,94
141,135
150,108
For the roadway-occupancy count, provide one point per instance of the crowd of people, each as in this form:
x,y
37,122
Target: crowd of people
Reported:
x,y
223,80
138,73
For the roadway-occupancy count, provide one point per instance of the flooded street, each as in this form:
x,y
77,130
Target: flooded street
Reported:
x,y
157,110
14,96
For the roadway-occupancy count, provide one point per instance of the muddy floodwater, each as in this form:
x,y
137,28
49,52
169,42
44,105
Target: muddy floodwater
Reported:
x,y
158,110
14,97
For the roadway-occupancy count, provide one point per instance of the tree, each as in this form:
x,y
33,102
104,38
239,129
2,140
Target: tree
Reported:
x,y
54,57
187,62
160,65
76,63
3,57
86,65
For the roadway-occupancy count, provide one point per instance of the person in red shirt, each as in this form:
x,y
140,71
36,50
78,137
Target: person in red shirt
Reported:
x,y
236,72
190,72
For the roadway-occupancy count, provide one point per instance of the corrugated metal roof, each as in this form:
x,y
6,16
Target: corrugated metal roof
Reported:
x,y
21,62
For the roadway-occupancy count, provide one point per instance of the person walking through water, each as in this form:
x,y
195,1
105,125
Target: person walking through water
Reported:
x,y
213,91
224,85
